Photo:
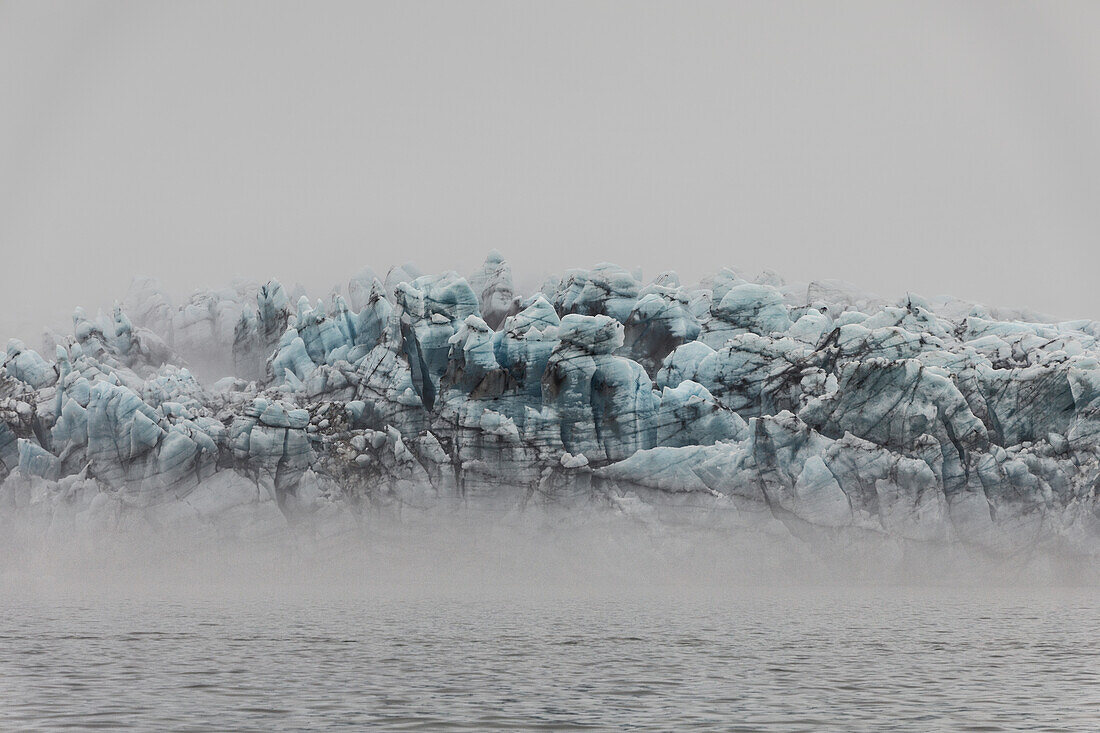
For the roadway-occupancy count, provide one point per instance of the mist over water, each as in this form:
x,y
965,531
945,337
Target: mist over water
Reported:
x,y
478,621
537,552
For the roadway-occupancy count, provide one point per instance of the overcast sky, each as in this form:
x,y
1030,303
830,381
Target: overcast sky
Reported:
x,y
932,147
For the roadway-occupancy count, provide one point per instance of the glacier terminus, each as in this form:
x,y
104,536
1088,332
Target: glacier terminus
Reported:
x,y
807,406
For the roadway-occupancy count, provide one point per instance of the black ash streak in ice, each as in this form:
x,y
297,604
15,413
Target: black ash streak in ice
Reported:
x,y
811,405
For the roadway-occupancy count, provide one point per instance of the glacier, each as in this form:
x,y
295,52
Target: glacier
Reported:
x,y
800,407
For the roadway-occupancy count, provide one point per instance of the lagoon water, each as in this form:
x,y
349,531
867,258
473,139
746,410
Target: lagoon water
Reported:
x,y
751,658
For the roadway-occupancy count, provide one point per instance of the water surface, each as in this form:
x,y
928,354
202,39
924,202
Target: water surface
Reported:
x,y
854,659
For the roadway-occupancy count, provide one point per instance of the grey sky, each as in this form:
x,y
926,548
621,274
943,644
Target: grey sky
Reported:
x,y
933,147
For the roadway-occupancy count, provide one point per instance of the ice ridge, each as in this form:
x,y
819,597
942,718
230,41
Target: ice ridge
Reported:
x,y
803,405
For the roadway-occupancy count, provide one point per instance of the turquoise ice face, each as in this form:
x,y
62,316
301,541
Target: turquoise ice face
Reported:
x,y
924,418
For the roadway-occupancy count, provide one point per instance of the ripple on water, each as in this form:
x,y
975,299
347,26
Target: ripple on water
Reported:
x,y
859,661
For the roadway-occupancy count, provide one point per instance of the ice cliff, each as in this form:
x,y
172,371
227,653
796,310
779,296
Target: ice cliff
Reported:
x,y
811,407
